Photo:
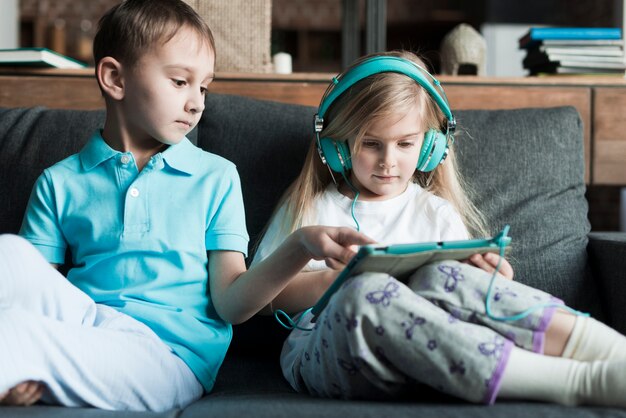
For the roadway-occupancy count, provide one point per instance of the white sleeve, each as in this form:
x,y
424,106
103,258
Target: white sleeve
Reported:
x,y
273,237
451,224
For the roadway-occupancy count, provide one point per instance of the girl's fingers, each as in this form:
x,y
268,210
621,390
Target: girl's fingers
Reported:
x,y
492,258
505,268
479,261
334,264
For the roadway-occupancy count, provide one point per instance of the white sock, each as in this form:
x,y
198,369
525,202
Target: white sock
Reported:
x,y
537,377
592,340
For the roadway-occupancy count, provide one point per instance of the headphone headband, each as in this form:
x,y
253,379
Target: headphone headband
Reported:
x,y
383,64
336,154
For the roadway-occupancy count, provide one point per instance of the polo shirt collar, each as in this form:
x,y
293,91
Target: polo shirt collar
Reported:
x,y
96,151
179,157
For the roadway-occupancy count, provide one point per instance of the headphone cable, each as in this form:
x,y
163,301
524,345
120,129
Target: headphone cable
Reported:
x,y
356,196
527,312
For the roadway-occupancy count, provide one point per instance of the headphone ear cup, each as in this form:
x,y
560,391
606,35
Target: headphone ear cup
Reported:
x,y
337,154
433,152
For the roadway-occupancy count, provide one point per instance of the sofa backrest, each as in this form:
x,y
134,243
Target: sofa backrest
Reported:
x,y
30,141
526,167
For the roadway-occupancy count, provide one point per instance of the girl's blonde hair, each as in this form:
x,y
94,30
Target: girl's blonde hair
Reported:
x,y
351,116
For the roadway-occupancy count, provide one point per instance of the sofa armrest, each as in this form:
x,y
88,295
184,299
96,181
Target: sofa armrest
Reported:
x,y
607,260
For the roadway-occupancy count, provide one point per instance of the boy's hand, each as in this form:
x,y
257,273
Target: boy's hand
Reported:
x,y
489,261
24,394
335,245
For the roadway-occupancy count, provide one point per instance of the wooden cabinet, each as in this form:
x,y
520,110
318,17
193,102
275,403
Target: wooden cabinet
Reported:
x,y
609,136
601,101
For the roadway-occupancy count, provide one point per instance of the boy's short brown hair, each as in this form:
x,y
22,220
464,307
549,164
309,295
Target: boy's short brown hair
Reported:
x,y
133,27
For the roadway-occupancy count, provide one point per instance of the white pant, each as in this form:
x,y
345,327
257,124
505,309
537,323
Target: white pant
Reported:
x,y
85,353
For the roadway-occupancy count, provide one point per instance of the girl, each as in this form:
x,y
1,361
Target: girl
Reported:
x,y
383,128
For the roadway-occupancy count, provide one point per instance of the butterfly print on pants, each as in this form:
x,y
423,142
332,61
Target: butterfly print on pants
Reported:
x,y
384,296
453,277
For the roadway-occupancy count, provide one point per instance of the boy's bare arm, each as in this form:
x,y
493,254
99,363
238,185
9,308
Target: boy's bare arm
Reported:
x,y
238,294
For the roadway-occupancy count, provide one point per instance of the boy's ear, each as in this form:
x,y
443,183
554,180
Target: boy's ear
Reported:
x,y
110,77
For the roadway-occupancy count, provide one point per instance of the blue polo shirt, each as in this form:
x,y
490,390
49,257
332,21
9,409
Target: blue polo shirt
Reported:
x,y
138,240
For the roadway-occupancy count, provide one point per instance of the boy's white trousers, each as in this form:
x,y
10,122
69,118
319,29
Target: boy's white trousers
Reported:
x,y
86,354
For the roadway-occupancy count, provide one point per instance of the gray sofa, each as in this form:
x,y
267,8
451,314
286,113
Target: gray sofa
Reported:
x,y
527,168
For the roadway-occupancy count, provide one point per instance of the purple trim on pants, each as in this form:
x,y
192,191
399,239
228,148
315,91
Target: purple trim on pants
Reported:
x,y
496,378
539,335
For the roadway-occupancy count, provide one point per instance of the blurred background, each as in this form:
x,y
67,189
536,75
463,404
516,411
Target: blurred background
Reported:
x,y
310,31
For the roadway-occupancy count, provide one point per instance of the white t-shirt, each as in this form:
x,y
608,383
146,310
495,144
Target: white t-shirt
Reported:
x,y
414,216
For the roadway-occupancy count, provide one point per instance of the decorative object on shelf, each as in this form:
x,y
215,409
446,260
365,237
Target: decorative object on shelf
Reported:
x,y
242,32
282,63
463,51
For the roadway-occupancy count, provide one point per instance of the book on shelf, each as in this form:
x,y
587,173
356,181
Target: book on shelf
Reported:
x,y
575,69
619,74
538,58
599,51
576,43
536,35
37,57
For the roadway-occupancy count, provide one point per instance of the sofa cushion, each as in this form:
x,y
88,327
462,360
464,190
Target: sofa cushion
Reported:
x,y
527,167
266,140
249,387
30,141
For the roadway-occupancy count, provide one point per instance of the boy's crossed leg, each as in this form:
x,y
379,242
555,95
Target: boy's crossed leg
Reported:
x,y
117,364
85,354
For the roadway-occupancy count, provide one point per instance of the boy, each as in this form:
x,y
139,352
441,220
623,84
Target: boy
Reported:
x,y
155,229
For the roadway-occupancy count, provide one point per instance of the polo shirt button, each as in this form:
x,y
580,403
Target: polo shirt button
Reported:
x,y
134,192
125,159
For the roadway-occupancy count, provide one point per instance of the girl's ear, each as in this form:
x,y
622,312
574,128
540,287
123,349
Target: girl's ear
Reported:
x,y
109,75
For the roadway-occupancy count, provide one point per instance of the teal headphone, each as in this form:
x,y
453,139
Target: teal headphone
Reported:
x,y
336,154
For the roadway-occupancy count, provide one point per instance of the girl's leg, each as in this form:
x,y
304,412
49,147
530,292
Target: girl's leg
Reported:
x,y
532,376
589,339
377,338
558,333
461,289
582,377
118,364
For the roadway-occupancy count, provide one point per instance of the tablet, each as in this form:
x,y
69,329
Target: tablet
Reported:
x,y
401,260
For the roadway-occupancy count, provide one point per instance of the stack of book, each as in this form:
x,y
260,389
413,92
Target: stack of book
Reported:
x,y
573,51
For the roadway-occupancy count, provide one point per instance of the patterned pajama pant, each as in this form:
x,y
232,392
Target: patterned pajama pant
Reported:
x,y
378,336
